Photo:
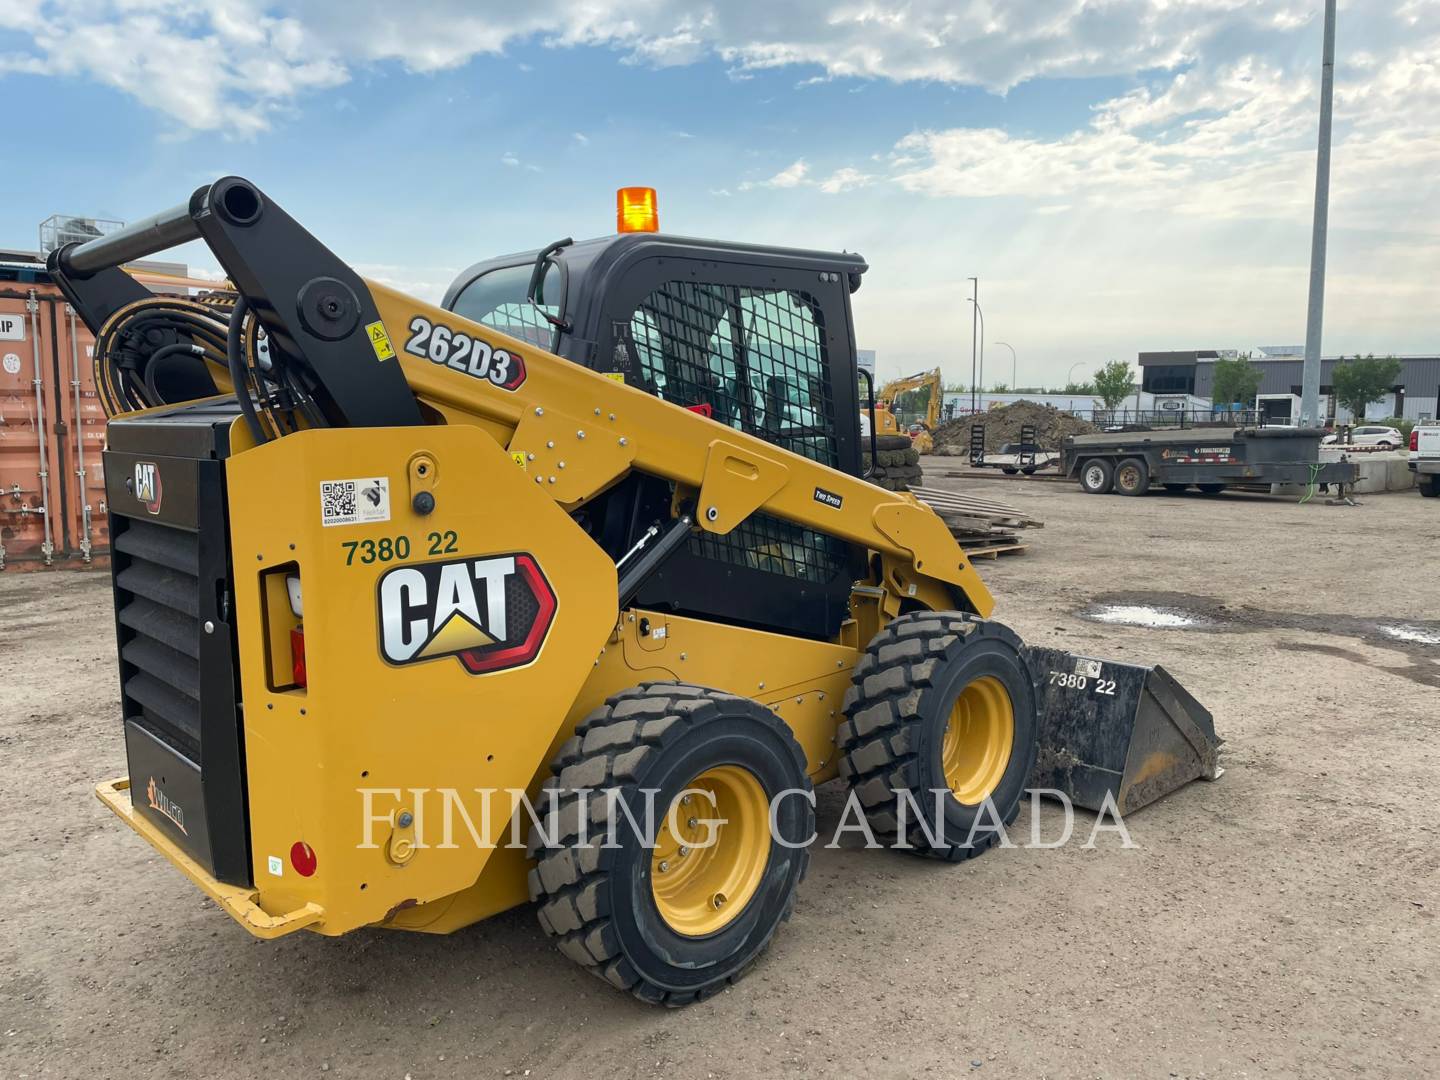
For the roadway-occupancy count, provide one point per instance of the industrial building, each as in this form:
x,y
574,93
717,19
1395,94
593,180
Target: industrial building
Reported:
x,y
1415,396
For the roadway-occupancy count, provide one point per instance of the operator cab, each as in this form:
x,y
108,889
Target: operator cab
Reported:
x,y
759,339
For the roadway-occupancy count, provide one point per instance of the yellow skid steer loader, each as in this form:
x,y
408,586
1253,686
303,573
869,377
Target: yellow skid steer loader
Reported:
x,y
567,591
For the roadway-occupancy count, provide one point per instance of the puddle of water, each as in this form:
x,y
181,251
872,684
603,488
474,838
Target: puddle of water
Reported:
x,y
1412,633
1140,615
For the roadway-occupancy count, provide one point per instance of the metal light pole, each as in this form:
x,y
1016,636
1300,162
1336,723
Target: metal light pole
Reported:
x,y
1310,377
974,315
981,379
1014,367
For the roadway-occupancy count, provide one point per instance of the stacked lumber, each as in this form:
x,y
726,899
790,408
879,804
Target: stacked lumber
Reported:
x,y
985,529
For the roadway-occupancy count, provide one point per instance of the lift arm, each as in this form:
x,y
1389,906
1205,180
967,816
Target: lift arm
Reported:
x,y
369,356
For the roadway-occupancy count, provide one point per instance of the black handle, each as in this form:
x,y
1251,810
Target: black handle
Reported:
x,y
535,291
874,454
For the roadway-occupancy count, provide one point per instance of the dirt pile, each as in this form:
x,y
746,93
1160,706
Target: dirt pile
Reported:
x,y
1003,423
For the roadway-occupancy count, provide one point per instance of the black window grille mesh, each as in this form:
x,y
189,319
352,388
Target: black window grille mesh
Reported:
x,y
523,321
767,543
757,358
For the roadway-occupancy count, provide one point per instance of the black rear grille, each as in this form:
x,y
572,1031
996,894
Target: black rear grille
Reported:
x,y
159,605
176,642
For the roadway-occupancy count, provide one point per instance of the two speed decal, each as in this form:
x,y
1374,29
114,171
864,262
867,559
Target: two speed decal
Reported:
x,y
453,349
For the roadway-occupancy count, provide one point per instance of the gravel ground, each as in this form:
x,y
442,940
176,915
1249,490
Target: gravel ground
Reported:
x,y
1278,922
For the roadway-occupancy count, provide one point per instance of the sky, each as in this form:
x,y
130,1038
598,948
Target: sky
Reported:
x,y
1121,175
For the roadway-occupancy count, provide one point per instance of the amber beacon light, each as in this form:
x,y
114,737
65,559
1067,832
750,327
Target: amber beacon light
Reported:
x,y
636,210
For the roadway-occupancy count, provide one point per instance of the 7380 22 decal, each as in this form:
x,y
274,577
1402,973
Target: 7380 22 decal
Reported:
x,y
459,351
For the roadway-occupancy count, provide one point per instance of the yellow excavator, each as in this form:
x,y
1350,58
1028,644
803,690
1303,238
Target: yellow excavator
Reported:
x,y
889,394
568,591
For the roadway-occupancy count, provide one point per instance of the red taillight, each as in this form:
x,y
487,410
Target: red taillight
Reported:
x,y
302,858
1415,439
297,653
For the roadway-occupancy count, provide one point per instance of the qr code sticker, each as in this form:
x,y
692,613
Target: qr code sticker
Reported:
x,y
354,502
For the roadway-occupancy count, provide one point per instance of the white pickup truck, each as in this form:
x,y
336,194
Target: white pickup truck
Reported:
x,y
1425,459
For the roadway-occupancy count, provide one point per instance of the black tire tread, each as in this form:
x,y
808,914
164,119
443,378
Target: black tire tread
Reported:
x,y
882,714
611,747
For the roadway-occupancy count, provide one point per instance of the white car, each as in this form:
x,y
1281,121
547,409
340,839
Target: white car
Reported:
x,y
1385,438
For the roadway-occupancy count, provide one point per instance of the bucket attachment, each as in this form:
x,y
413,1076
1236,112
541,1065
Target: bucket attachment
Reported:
x,y
1128,730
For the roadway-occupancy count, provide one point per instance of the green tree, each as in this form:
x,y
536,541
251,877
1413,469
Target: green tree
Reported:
x,y
1077,388
1358,382
1114,383
1000,388
1235,382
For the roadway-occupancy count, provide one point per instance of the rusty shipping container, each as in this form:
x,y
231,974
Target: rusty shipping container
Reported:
x,y
52,430
52,425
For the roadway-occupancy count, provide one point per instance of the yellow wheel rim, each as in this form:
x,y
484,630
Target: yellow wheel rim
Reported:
x,y
711,850
979,736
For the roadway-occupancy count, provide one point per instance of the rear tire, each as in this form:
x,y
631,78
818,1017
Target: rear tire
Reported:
x,y
1429,486
1132,477
941,702
1097,476
1009,470
671,941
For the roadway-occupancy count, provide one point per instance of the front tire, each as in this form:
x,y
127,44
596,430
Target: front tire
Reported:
x,y
679,919
1429,486
1097,476
940,714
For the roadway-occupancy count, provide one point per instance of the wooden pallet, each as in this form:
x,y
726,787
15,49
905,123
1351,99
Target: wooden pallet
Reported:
x,y
994,551
984,529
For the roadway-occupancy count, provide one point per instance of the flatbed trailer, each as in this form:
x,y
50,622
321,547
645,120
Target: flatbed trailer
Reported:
x,y
1210,459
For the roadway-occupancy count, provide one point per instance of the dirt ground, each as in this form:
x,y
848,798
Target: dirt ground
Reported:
x,y
1281,921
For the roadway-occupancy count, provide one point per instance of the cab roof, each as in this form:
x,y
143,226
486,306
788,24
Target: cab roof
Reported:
x,y
595,259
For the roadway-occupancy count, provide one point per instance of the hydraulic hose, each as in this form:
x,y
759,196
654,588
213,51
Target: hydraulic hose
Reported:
x,y
239,375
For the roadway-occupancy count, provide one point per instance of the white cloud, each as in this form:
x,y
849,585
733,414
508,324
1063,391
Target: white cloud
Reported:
x,y
509,159
230,64
581,139
791,176
205,66
846,179
798,175
1233,141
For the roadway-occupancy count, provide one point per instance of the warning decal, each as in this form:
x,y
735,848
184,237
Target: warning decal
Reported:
x,y
379,341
